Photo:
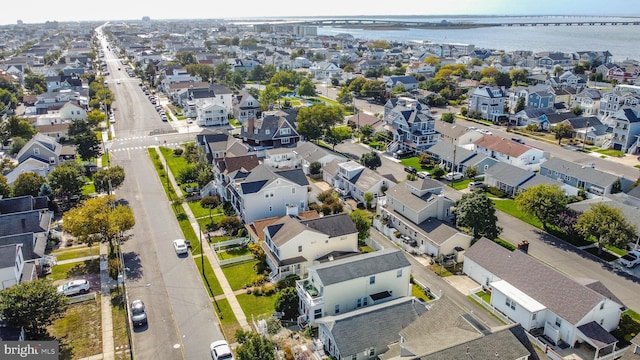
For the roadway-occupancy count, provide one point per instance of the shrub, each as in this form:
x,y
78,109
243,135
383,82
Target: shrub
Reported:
x,y
496,192
177,152
268,289
315,168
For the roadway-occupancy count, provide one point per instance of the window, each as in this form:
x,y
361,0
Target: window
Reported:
x,y
359,303
365,301
602,306
299,248
36,151
285,131
337,309
372,280
399,273
558,322
510,303
270,209
534,316
293,190
317,313
267,132
372,352
285,141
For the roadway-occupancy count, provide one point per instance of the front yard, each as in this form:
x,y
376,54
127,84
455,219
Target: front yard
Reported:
x,y
80,330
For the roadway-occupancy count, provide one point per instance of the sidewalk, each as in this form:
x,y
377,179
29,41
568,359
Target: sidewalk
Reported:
x,y
105,299
212,258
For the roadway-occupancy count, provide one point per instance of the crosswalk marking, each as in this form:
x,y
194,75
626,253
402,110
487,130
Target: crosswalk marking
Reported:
x,y
129,148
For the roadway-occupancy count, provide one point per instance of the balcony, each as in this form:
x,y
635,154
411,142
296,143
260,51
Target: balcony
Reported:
x,y
308,292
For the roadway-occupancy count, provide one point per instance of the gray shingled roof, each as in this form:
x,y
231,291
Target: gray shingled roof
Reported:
x,y
263,175
444,150
375,326
525,273
509,174
332,225
372,263
580,172
23,222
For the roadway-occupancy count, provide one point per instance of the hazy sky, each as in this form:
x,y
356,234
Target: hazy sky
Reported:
x,y
38,11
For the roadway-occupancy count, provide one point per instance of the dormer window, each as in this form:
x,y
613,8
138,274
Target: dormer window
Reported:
x,y
36,151
267,132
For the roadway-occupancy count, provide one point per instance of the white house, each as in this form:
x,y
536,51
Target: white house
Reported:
x,y
209,113
511,152
325,70
293,244
543,300
11,265
339,286
265,192
352,179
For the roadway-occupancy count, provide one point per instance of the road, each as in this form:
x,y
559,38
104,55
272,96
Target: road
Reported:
x,y
181,319
544,247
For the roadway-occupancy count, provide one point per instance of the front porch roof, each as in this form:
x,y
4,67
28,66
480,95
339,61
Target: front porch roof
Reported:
x,y
596,335
285,262
381,295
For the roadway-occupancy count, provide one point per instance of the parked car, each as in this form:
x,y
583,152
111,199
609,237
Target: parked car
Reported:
x,y
519,141
631,259
423,174
454,176
410,170
180,245
74,287
138,313
476,185
220,350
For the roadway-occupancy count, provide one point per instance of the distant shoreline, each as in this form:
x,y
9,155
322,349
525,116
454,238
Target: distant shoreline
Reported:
x,y
438,26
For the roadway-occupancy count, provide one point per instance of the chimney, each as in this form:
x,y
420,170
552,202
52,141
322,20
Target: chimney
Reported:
x,y
524,246
292,210
250,124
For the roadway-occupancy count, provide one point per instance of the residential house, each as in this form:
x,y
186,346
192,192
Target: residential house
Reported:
x,y
215,93
41,153
408,82
12,265
488,102
552,59
352,336
293,244
511,179
589,101
612,101
457,134
351,179
272,130
339,286
415,213
325,71
536,96
361,119
568,79
578,176
458,158
511,152
590,129
300,156
543,300
625,124
421,69
412,126
264,192
245,107
210,113
633,353
531,116
176,92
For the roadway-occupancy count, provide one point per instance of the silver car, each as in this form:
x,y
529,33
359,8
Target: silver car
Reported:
x,y
138,313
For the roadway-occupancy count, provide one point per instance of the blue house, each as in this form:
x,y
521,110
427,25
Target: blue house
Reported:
x,y
541,99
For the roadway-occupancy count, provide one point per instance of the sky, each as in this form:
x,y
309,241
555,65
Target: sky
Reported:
x,y
39,11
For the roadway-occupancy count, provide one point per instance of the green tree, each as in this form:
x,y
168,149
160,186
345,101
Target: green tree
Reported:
x,y
99,219
368,199
17,126
607,224
577,110
28,183
519,75
94,118
344,96
375,89
448,117
543,201
287,302
108,179
476,212
520,105
562,131
306,88
35,83
33,305
268,97
315,168
362,219
371,160
337,135
471,172
255,347
356,85
67,180
367,130
5,188
314,121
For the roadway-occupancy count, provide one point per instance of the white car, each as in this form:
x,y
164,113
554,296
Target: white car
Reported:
x,y
180,245
454,176
220,350
485,131
74,287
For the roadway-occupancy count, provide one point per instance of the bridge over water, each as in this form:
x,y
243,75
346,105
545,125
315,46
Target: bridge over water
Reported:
x,y
386,23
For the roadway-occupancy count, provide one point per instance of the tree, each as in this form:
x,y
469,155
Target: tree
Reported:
x,y
520,105
28,183
561,131
519,75
344,96
306,88
315,168
471,172
476,212
287,302
367,130
210,202
5,188
33,305
17,144
315,121
368,199
337,135
108,179
255,347
268,97
362,220
448,117
577,110
545,202
87,145
607,224
371,160
98,220
67,180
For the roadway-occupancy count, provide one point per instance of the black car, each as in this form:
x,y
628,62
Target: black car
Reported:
x,y
519,141
410,170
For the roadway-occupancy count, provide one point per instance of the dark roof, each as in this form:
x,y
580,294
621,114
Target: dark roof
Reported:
x,y
522,271
598,335
359,330
372,263
294,175
262,175
24,222
332,225
7,256
23,203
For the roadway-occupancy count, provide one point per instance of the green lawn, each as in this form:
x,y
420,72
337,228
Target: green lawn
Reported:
x,y
417,292
176,163
63,271
119,320
484,296
234,122
213,287
199,211
228,320
509,206
412,161
233,252
240,275
88,188
258,306
610,152
79,331
460,185
366,249
106,159
66,254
